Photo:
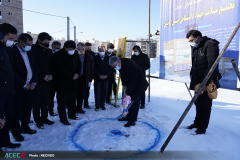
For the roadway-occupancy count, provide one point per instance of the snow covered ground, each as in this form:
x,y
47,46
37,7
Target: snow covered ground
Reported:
x,y
100,131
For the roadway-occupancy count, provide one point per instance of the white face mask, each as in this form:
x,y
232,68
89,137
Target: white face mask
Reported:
x,y
71,52
56,50
27,48
101,53
110,50
194,44
136,53
9,43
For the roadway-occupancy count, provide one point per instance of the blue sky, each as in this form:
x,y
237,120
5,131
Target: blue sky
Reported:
x,y
99,19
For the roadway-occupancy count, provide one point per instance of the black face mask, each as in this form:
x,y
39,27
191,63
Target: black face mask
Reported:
x,y
44,44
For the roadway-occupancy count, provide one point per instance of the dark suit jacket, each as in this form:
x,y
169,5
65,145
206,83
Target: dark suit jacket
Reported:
x,y
101,67
44,60
20,67
88,68
133,78
66,66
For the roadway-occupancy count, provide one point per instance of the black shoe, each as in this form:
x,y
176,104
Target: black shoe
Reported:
x,y
97,109
103,108
87,107
142,106
52,114
47,121
29,131
12,145
65,122
81,111
198,131
19,138
40,125
122,119
108,101
73,117
191,126
128,124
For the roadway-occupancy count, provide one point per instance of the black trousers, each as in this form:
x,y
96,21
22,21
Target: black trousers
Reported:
x,y
100,90
86,96
111,88
143,99
51,96
203,111
6,108
133,110
81,92
40,109
22,110
66,100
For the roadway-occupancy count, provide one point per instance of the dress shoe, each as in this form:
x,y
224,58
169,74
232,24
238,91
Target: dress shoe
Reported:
x,y
12,145
73,117
52,114
129,124
97,109
19,138
103,108
198,131
81,111
108,101
87,107
142,106
66,122
29,131
122,119
47,121
191,126
40,125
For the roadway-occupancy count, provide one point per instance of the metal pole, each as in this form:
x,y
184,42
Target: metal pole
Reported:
x,y
68,28
235,67
199,90
149,34
75,34
188,90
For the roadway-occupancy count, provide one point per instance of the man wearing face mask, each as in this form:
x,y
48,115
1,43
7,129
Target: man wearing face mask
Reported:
x,y
67,73
26,77
56,46
134,84
204,53
88,50
144,63
7,87
102,71
86,75
112,85
44,59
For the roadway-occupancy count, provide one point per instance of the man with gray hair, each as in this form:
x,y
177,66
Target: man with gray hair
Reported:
x,y
102,71
86,75
134,84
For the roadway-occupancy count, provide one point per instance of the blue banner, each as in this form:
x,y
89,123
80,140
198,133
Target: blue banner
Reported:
x,y
216,19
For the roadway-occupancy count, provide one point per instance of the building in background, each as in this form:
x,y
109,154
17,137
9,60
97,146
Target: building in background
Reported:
x,y
104,43
95,44
11,12
144,47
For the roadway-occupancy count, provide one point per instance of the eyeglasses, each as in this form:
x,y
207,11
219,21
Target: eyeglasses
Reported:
x,y
191,40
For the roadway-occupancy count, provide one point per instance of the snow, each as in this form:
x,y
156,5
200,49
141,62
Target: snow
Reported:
x,y
100,131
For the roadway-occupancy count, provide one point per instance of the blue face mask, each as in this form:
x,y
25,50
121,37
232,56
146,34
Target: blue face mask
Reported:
x,y
117,68
27,48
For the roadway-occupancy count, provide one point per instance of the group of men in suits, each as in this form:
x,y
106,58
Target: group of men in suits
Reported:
x,y
31,74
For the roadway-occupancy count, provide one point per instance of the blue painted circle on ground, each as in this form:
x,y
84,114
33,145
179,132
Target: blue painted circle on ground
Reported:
x,y
114,133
